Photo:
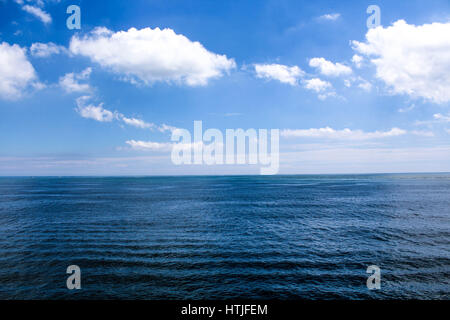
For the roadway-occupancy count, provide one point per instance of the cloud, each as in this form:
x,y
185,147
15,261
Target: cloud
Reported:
x,y
345,134
149,145
88,110
357,60
163,146
324,89
329,68
164,128
365,85
44,50
411,60
38,13
91,111
152,55
441,118
70,82
407,109
330,16
279,72
317,85
138,123
16,72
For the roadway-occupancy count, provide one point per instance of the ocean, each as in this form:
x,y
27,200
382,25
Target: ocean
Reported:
x,y
225,237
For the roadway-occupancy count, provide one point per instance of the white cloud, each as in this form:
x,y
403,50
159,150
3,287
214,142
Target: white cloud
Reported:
x,y
359,82
441,118
16,72
279,72
164,128
438,118
38,13
365,85
357,60
162,146
88,110
330,16
317,85
149,145
329,68
345,134
70,82
44,50
412,60
91,111
138,123
151,55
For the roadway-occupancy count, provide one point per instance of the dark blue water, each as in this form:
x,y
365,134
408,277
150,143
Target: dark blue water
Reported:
x,y
284,237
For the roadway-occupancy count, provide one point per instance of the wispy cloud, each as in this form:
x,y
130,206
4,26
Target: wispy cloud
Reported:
x,y
138,123
149,145
330,16
38,13
407,109
45,50
345,134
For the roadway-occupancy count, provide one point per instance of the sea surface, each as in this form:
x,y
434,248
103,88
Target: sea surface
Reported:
x,y
257,237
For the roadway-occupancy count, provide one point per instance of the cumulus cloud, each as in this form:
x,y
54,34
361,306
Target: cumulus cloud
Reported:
x,y
151,55
345,134
279,72
90,111
329,68
412,60
44,50
317,85
357,60
16,72
38,13
324,89
70,82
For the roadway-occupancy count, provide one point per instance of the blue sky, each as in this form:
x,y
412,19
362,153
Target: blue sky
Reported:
x,y
102,100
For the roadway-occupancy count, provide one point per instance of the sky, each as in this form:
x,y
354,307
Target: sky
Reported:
x,y
104,99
